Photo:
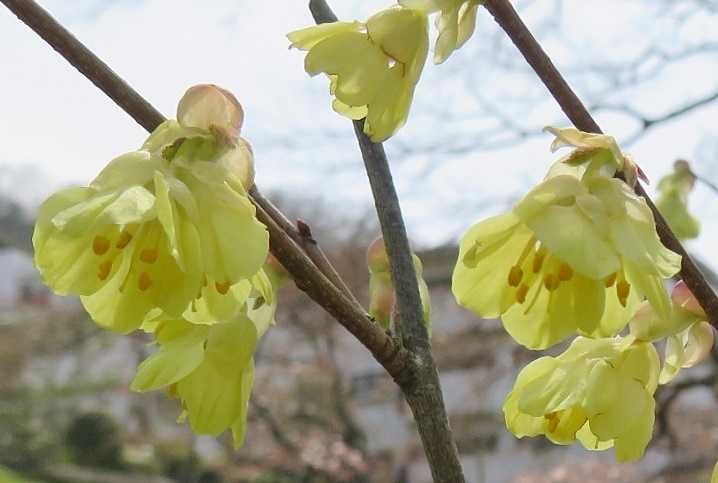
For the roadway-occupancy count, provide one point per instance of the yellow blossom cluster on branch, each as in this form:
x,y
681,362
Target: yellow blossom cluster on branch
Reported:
x,y
166,239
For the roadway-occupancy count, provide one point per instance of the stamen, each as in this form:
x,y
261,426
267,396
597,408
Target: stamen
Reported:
x,y
144,282
104,271
100,245
551,282
125,238
553,421
521,293
564,272
515,276
222,287
610,280
149,255
623,289
204,279
538,260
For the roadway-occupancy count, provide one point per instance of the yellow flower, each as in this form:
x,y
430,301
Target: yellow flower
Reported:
x,y
599,391
673,201
456,23
373,66
578,252
210,368
381,288
158,224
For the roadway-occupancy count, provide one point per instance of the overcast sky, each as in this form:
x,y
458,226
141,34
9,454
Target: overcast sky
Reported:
x,y
57,129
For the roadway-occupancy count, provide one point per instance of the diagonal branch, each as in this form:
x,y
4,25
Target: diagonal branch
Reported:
x,y
509,20
308,277
424,394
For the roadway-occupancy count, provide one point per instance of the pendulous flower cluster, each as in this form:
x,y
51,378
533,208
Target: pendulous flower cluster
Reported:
x,y
166,239
578,253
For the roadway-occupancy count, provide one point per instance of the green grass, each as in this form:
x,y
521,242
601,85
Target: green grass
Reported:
x,y
7,476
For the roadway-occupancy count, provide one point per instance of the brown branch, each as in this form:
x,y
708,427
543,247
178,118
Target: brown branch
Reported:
x,y
394,359
509,20
423,394
310,280
308,244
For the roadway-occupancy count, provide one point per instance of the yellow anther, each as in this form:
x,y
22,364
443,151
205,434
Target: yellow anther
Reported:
x,y
565,272
104,271
144,282
204,279
149,255
515,276
100,245
222,287
538,261
521,293
172,391
551,282
610,280
623,288
125,238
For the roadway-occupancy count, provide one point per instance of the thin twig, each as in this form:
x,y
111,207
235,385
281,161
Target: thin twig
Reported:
x,y
307,242
394,359
424,396
509,20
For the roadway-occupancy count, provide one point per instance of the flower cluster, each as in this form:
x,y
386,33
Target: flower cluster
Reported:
x,y
582,395
166,239
578,253
374,66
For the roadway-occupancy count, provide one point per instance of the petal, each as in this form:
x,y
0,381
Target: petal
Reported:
x,y
131,169
234,243
555,391
447,40
175,360
521,424
602,389
673,359
207,106
699,343
214,394
618,419
590,441
400,32
132,205
486,254
239,428
308,37
359,64
389,109
467,22
649,286
631,445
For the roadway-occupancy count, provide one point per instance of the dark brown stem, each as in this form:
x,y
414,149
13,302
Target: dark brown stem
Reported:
x,y
424,392
315,284
509,20
308,244
396,360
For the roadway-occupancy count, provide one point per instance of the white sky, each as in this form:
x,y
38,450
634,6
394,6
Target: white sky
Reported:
x,y
57,129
